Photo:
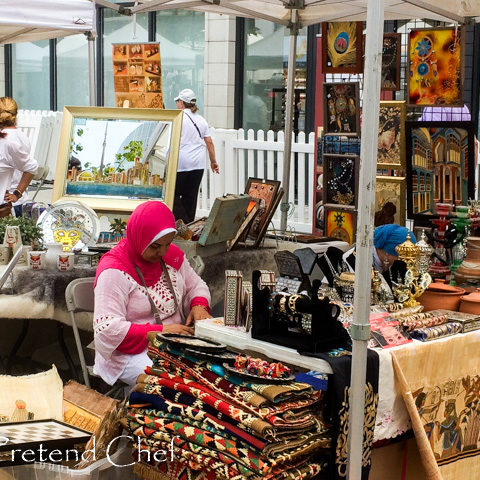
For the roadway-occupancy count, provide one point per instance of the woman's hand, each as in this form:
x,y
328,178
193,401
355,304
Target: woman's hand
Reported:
x,y
197,313
178,329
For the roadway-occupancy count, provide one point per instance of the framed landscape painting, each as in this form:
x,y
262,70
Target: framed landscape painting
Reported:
x,y
391,135
435,58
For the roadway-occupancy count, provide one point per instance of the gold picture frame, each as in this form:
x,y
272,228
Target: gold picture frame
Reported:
x,y
391,189
391,135
113,159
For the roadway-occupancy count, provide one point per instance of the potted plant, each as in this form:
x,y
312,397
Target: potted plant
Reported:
x,y
118,227
31,233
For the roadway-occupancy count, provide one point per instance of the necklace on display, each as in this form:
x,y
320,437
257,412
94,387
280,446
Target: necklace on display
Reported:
x,y
341,184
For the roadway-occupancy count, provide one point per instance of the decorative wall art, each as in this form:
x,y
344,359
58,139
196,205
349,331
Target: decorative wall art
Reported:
x,y
390,200
391,135
341,108
115,158
435,67
342,52
267,192
391,56
137,75
440,165
340,179
340,223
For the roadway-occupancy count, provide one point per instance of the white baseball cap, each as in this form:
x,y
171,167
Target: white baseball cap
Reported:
x,y
187,96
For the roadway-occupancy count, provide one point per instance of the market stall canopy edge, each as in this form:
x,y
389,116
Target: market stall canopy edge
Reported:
x,y
313,11
32,20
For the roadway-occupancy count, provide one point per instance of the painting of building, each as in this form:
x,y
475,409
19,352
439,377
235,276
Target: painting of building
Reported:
x,y
439,161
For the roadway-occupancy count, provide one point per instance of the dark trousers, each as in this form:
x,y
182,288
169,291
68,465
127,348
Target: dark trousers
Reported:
x,y
186,193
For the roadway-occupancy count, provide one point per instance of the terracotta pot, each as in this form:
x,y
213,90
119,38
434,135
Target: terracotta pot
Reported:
x,y
439,295
469,270
471,303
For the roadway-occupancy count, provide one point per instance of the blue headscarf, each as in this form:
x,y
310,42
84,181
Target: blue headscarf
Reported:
x,y
387,237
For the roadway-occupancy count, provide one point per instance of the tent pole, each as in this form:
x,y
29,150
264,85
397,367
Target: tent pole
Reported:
x,y
92,94
360,329
289,107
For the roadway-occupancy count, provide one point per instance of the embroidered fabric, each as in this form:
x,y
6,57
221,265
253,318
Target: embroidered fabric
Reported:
x,y
392,416
101,322
160,292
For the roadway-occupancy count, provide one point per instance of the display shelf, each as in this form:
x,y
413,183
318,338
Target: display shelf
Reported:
x,y
237,338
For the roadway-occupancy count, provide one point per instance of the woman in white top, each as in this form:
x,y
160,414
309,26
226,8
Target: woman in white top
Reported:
x,y
191,158
14,155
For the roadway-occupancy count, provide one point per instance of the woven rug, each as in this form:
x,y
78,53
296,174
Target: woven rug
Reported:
x,y
440,384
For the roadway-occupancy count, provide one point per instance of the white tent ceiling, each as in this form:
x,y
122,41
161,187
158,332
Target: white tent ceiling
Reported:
x,y
315,11
32,20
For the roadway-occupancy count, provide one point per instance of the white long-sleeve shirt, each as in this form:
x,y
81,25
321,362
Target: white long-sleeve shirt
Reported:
x,y
14,155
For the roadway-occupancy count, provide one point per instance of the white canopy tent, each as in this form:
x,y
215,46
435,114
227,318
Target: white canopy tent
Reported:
x,y
32,20
298,13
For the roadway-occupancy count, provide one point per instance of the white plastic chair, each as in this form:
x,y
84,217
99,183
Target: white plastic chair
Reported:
x,y
79,298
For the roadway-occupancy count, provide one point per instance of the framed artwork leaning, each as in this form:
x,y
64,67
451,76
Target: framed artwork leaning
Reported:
x,y
435,59
440,165
342,52
113,159
391,135
391,57
340,179
390,200
341,108
340,223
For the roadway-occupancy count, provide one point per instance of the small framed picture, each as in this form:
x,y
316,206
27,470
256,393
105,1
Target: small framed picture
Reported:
x,y
342,47
340,179
390,200
340,223
391,56
391,135
341,108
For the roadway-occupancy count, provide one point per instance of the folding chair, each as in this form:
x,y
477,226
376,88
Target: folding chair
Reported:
x,y
79,298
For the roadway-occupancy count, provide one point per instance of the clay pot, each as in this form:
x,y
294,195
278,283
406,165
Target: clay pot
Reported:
x,y
471,303
439,295
469,270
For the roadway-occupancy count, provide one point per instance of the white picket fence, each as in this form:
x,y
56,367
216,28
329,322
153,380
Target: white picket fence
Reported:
x,y
240,155
243,154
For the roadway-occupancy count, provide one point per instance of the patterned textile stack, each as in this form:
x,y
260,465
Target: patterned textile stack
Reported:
x,y
213,426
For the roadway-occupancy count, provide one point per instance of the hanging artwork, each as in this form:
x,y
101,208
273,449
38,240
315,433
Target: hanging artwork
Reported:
x,y
340,179
390,201
341,108
440,165
342,51
435,67
391,55
137,75
391,135
340,223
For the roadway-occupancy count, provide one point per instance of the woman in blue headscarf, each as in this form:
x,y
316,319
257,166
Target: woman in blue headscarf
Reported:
x,y
385,239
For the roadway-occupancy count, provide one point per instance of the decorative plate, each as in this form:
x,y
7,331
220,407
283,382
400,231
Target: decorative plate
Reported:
x,y
218,358
70,224
189,341
256,378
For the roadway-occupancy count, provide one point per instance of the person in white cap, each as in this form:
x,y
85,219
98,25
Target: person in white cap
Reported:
x,y
191,159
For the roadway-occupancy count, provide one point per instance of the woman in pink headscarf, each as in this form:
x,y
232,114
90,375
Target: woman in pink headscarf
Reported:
x,y
144,284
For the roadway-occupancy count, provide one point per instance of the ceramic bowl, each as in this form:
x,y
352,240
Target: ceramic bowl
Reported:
x,y
439,295
471,303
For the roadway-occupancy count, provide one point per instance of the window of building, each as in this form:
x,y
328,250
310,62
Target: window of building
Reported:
x,y
72,63
181,34
266,47
31,75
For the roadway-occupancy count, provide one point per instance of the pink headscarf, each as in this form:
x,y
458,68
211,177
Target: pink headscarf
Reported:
x,y
149,221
